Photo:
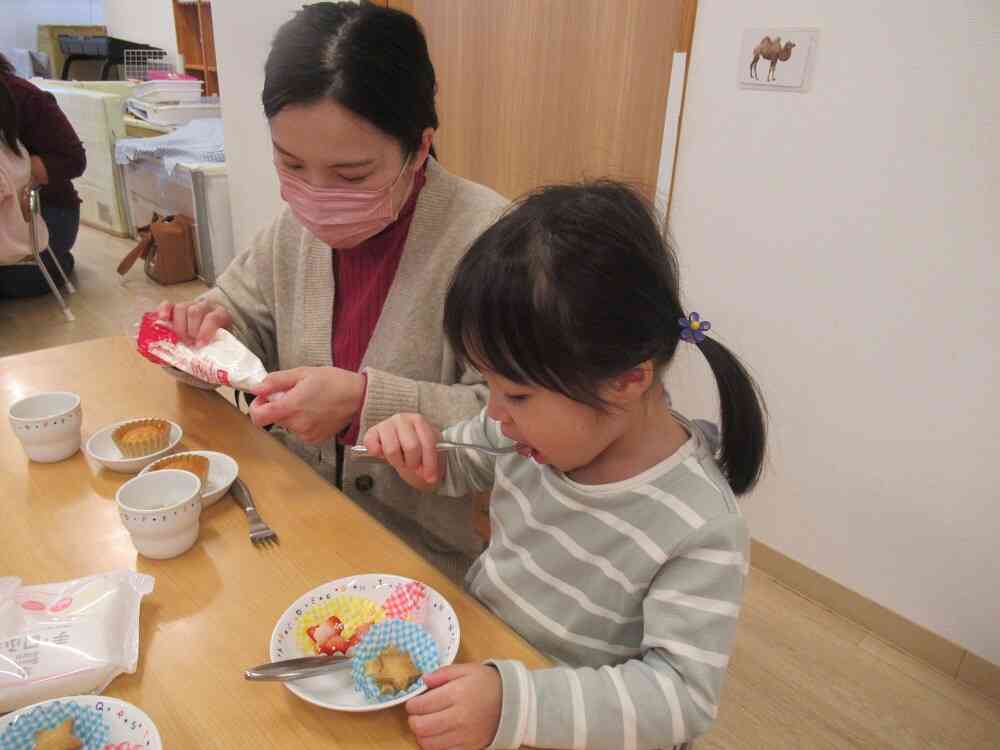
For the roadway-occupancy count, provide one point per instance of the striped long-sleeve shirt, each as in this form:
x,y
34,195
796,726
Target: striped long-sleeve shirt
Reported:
x,y
633,588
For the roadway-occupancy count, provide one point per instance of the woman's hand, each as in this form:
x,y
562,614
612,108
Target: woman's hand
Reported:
x,y
195,322
39,173
461,708
24,201
409,443
315,403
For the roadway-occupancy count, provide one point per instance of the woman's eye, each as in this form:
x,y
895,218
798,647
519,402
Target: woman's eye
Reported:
x,y
362,178
293,167
518,397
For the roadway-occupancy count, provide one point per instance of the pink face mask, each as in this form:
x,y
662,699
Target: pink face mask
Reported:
x,y
341,217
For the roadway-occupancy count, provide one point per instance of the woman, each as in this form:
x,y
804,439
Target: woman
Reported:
x,y
15,182
343,294
56,156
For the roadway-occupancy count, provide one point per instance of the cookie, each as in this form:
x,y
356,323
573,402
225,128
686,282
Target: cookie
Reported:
x,y
60,737
393,670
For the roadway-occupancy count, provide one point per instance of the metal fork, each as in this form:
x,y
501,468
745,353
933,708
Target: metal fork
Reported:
x,y
360,450
260,532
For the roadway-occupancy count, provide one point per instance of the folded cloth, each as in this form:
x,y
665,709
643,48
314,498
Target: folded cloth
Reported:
x,y
198,141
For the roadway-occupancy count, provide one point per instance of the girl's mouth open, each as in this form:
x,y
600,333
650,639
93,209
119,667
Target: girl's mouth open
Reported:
x,y
528,452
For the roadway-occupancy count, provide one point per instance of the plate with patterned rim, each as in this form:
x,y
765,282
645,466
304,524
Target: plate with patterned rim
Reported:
x,y
336,690
116,723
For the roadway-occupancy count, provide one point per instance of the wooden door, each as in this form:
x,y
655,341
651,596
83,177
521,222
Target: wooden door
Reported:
x,y
539,91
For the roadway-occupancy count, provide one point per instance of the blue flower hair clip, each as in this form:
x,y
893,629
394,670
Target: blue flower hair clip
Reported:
x,y
693,328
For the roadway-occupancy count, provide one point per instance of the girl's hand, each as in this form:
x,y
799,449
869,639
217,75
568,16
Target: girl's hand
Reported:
x,y
461,708
315,402
195,323
409,443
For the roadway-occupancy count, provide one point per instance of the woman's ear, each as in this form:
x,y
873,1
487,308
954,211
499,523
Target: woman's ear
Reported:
x,y
426,141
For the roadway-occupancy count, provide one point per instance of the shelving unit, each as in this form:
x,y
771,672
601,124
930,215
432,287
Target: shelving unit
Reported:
x,y
196,41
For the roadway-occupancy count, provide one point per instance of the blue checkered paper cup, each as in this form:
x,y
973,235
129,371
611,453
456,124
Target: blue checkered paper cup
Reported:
x,y
404,635
88,725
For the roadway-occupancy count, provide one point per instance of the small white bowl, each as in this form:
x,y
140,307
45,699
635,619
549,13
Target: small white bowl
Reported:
x,y
222,472
102,448
161,510
48,425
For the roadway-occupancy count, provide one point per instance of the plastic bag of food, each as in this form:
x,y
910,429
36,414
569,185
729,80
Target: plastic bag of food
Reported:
x,y
222,361
68,638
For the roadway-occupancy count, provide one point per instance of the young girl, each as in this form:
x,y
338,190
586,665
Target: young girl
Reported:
x,y
617,547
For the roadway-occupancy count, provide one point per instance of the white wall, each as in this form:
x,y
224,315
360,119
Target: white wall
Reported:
x,y
146,22
21,19
845,242
242,42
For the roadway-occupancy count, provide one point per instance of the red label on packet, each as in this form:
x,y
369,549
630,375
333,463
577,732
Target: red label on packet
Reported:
x,y
151,331
157,338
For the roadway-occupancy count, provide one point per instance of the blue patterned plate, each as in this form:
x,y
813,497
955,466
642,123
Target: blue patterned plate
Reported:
x,y
99,722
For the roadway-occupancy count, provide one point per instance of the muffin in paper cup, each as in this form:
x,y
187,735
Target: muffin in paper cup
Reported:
x,y
197,465
141,437
335,625
88,725
403,635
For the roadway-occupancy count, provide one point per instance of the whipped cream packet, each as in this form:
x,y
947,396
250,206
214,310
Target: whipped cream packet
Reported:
x,y
68,638
222,361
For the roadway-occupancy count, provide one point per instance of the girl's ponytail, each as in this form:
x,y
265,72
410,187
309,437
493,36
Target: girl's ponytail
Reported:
x,y
743,417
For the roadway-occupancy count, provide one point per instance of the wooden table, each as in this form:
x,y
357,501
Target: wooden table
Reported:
x,y
214,607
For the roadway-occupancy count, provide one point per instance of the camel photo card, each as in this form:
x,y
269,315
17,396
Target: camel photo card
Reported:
x,y
777,58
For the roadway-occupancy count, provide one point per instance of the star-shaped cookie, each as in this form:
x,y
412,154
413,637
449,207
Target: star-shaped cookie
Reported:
x,y
58,738
393,670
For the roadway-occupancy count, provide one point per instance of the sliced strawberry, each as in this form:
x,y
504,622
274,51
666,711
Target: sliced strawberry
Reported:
x,y
335,644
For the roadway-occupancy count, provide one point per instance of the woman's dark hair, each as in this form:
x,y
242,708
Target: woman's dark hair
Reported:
x,y
369,59
574,286
8,118
6,66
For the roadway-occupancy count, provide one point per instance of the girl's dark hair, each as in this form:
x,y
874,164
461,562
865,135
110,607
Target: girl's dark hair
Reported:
x,y
574,286
369,59
8,118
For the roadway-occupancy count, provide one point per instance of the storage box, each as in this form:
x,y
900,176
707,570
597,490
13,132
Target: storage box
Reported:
x,y
98,121
198,191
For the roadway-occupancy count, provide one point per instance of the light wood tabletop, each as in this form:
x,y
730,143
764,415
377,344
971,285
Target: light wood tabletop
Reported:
x,y
214,607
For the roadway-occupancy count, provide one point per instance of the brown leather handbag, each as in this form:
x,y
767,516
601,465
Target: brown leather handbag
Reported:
x,y
167,246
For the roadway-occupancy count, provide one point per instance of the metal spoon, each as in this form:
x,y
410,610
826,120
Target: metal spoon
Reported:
x,y
290,670
360,450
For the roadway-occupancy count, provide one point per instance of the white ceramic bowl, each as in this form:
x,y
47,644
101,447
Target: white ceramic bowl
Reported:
x,y
48,425
222,472
160,510
102,448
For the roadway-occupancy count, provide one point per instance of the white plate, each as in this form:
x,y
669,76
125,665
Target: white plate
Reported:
x,y
125,722
102,449
336,689
222,472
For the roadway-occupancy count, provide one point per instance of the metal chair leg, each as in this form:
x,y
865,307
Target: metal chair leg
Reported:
x,y
34,205
70,289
